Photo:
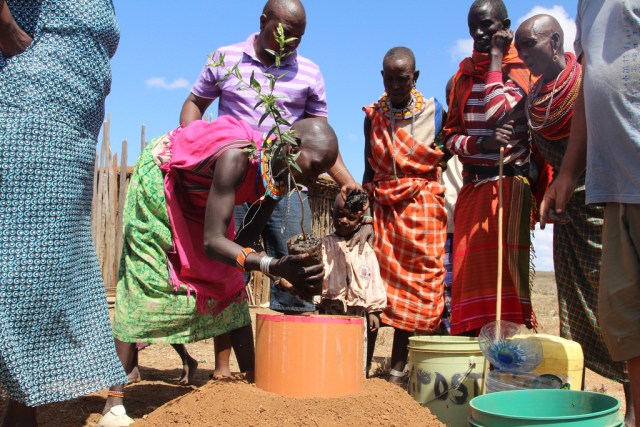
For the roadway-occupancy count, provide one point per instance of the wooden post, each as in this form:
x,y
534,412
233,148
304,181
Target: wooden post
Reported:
x,y
122,192
143,137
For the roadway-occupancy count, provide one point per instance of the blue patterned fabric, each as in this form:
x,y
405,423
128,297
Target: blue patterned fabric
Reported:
x,y
55,338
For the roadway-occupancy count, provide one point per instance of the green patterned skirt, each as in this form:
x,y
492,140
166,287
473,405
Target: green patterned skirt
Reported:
x,y
147,308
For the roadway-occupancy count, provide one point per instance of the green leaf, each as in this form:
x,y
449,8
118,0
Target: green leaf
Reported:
x,y
259,103
271,131
236,72
216,63
222,79
264,116
295,166
294,156
271,52
282,75
288,138
255,84
281,121
252,149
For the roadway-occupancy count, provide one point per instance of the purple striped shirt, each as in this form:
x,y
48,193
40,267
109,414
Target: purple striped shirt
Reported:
x,y
302,90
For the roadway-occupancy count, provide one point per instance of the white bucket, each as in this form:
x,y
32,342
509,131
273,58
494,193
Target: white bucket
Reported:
x,y
445,374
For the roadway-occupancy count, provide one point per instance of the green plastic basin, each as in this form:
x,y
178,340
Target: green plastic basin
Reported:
x,y
545,408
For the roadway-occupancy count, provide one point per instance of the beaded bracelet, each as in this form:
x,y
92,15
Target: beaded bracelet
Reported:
x,y
242,257
367,220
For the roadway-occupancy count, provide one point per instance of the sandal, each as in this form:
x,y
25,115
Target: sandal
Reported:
x,y
399,378
116,417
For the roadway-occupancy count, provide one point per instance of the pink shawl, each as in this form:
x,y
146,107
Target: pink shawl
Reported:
x,y
188,174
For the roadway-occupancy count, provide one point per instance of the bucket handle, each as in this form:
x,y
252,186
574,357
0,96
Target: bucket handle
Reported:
x,y
472,366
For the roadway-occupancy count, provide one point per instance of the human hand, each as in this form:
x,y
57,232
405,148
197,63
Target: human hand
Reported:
x,y
361,237
306,280
13,39
501,137
555,200
501,41
348,188
285,285
374,321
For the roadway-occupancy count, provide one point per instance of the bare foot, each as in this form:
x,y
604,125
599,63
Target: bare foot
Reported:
x,y
188,371
134,375
221,372
247,377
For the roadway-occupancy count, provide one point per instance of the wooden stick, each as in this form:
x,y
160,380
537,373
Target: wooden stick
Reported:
x,y
500,214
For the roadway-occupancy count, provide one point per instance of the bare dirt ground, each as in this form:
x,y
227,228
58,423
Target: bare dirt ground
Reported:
x,y
158,400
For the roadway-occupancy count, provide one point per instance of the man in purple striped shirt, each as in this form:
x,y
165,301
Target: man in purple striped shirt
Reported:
x,y
302,95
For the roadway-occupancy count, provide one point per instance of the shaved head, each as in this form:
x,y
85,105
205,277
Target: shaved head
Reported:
x,y
291,15
544,24
539,41
291,7
318,139
400,52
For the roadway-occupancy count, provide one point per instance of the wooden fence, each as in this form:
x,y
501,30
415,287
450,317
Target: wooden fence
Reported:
x,y
111,179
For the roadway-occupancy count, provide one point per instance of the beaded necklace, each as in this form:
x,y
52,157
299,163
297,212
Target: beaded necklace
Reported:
x,y
555,120
272,188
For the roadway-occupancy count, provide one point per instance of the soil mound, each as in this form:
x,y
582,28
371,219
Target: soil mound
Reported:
x,y
220,403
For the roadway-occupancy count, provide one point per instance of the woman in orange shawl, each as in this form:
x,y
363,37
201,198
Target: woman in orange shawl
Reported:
x,y
403,180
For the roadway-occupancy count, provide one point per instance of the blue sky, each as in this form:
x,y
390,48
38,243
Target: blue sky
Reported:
x,y
164,45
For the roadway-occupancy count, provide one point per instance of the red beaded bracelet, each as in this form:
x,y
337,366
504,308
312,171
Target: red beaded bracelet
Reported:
x,y
242,257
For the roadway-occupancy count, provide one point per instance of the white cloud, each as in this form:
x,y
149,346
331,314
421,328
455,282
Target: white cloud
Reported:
x,y
462,49
161,82
543,247
568,25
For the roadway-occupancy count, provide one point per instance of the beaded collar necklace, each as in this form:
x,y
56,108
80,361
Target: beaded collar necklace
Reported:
x,y
412,110
564,93
273,188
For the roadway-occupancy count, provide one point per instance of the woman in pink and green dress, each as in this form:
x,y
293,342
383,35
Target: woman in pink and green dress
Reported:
x,y
181,270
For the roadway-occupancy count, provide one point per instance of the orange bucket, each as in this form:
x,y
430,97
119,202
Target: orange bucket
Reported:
x,y
309,356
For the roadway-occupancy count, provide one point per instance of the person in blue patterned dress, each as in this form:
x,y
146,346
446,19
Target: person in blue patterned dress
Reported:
x,y
55,341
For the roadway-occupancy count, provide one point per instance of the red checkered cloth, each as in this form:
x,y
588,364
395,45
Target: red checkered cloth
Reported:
x,y
410,222
475,259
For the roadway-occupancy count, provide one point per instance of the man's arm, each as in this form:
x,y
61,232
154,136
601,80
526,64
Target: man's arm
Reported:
x,y
574,162
193,109
368,174
500,98
338,171
228,175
